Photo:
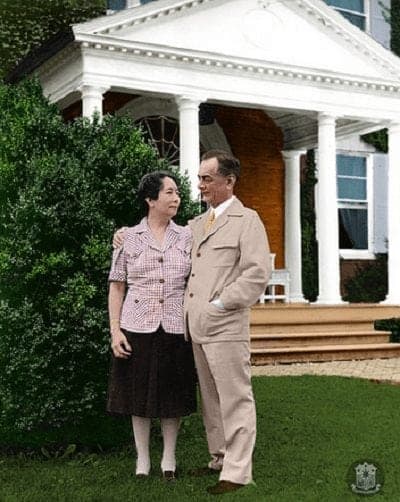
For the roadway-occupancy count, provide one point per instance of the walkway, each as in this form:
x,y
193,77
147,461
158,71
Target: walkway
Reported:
x,y
384,370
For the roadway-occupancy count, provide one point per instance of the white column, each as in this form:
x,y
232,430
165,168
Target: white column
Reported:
x,y
327,213
393,296
293,223
189,139
92,100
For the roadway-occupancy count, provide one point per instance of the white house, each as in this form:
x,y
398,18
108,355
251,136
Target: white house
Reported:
x,y
267,79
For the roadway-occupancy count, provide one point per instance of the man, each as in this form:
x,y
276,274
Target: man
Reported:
x,y
230,269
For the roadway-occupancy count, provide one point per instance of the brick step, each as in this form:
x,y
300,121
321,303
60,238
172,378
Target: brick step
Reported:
x,y
291,340
320,314
324,353
256,329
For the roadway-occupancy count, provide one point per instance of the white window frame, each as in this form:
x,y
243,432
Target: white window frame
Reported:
x,y
365,14
361,254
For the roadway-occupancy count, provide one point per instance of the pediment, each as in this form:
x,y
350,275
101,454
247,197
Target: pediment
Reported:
x,y
299,34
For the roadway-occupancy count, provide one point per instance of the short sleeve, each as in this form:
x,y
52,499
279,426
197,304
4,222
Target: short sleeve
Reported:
x,y
118,266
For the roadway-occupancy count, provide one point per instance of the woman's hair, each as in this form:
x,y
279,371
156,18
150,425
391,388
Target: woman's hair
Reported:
x,y
150,186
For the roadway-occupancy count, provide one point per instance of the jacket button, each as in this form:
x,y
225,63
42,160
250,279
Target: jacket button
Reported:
x,y
162,281
161,259
192,275
191,295
198,255
161,300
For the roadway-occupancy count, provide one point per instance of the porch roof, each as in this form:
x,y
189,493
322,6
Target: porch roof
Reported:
x,y
291,58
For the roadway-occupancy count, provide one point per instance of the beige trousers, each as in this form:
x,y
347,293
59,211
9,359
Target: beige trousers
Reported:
x,y
228,407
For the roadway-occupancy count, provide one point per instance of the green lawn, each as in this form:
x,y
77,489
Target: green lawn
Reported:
x,y
310,430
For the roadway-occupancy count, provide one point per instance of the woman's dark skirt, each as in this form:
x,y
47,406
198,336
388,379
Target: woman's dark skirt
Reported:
x,y
158,379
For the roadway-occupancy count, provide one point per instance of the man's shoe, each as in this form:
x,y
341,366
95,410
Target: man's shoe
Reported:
x,y
203,471
224,487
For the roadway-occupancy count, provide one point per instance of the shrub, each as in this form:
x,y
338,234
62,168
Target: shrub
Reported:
x,y
369,284
64,189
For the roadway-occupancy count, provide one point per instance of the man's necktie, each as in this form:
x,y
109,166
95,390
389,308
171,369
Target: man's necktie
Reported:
x,y
210,221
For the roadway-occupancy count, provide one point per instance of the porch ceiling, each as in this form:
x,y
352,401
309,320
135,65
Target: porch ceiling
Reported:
x,y
300,131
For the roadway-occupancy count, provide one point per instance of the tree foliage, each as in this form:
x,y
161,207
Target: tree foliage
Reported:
x,y
308,237
64,189
26,25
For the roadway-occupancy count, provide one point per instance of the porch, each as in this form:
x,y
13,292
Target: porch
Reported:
x,y
287,333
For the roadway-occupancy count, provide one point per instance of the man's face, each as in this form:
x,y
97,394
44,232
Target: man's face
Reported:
x,y
214,187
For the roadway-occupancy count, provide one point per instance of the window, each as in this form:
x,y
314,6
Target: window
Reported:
x,y
353,192
353,10
116,5
163,134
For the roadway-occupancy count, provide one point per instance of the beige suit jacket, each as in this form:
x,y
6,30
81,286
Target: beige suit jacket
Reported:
x,y
232,263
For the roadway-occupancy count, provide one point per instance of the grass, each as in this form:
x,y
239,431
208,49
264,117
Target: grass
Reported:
x,y
310,430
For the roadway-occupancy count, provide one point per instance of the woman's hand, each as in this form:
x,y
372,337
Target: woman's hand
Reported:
x,y
118,237
120,345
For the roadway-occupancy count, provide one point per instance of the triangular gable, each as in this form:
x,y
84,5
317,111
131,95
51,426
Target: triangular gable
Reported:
x,y
302,34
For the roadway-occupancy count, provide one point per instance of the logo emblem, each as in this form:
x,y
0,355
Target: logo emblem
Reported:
x,y
365,477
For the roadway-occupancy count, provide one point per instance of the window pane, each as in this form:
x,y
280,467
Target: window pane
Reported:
x,y
351,166
352,189
358,21
146,1
116,4
356,5
353,228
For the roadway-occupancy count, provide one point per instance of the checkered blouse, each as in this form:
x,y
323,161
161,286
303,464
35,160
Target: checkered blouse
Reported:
x,y
155,276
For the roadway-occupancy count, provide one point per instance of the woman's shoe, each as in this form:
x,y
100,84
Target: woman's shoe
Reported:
x,y
169,476
141,475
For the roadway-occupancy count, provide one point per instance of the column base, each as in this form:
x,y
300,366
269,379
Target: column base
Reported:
x,y
390,300
298,299
330,301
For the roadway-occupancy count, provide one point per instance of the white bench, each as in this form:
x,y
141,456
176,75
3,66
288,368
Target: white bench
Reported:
x,y
279,277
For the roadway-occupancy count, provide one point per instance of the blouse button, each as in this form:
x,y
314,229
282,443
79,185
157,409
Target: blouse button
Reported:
x,y
161,300
136,301
161,259
162,281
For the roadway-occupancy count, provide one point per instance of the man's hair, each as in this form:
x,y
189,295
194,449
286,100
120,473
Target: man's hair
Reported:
x,y
150,186
227,163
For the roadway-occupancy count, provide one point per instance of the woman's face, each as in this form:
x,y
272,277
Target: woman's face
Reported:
x,y
168,200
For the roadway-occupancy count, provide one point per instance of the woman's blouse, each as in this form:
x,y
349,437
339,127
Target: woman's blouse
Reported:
x,y
155,275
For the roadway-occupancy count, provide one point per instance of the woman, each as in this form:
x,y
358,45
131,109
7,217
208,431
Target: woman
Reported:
x,y
152,371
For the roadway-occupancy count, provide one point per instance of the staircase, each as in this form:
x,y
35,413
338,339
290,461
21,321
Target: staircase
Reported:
x,y
286,333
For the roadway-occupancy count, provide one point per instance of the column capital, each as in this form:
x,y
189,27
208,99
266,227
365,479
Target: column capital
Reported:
x,y
394,127
292,154
187,102
92,89
325,118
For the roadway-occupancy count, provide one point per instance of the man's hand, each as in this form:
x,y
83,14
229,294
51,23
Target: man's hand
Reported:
x,y
118,237
120,345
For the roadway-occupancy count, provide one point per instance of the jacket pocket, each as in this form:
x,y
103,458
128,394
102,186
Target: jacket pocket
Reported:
x,y
225,255
218,321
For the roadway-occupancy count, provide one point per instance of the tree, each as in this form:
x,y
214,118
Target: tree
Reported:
x,y
26,25
64,188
